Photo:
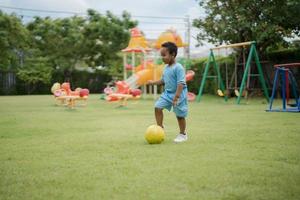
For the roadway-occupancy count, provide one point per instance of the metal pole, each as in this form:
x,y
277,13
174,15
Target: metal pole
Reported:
x,y
283,85
245,73
187,37
204,76
274,89
261,75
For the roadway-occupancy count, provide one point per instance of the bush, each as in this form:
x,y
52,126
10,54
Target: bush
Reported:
x,y
95,82
284,56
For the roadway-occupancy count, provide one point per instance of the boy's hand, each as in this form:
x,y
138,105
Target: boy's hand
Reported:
x,y
175,101
150,82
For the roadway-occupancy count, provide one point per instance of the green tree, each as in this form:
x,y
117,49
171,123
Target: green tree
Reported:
x,y
43,45
104,37
92,41
231,21
35,71
58,40
13,41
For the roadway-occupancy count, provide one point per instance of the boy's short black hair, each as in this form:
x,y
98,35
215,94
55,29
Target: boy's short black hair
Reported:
x,y
172,48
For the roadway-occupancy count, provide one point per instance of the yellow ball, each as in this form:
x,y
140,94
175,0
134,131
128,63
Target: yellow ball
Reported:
x,y
154,134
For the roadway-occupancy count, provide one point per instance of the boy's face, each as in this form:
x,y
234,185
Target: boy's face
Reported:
x,y
166,56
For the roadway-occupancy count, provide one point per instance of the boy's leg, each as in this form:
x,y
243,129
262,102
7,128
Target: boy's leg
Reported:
x,y
159,116
181,124
182,136
161,104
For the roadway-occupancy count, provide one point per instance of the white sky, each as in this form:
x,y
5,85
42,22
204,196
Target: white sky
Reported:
x,y
152,27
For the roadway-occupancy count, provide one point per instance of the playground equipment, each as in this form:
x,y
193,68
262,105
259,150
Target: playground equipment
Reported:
x,y
188,77
137,45
146,70
246,74
65,96
123,97
128,89
287,79
170,35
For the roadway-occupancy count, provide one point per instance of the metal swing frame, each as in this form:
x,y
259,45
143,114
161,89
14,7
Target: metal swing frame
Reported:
x,y
252,54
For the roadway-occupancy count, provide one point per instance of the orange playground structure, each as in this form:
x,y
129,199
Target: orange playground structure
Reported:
x,y
146,70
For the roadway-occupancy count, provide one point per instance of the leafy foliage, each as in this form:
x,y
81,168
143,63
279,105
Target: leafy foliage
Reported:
x,y
46,45
104,37
13,41
37,71
60,40
267,22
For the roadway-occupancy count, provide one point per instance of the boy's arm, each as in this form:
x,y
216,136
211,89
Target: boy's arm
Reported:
x,y
158,82
180,74
177,94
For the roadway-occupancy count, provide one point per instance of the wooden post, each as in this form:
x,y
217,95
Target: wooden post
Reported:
x,y
124,65
132,61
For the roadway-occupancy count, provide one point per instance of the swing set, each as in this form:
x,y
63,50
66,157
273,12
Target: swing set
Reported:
x,y
284,72
245,82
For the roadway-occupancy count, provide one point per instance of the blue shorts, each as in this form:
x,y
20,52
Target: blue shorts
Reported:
x,y
180,110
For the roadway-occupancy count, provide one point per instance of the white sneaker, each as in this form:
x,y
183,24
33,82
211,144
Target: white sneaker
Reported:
x,y
181,138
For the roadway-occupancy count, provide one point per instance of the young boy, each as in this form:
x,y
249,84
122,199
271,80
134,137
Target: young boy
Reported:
x,y
175,90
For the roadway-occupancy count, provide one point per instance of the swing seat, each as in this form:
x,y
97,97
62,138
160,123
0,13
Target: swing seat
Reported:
x,y
237,93
220,93
292,104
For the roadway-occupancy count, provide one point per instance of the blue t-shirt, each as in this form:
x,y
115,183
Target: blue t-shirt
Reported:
x,y
172,76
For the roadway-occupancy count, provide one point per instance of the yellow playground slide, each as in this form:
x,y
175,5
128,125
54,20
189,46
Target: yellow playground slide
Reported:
x,y
144,73
128,89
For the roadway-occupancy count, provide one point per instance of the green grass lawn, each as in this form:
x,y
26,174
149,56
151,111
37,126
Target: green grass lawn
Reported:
x,y
99,151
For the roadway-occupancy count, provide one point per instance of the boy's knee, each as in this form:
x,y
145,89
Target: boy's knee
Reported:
x,y
158,109
180,118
